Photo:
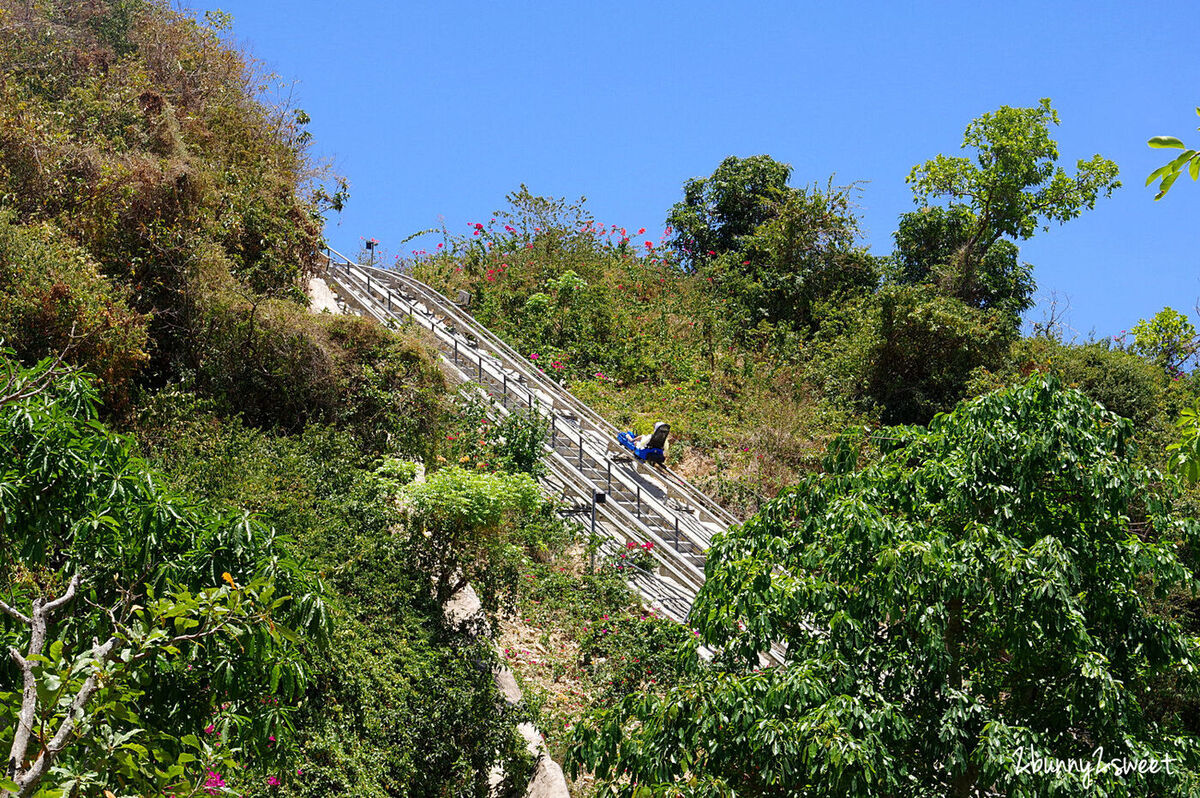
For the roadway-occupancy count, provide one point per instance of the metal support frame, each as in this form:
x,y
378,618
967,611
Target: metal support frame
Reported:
x,y
661,522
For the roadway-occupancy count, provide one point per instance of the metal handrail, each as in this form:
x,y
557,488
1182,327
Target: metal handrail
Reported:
x,y
581,409
682,569
683,577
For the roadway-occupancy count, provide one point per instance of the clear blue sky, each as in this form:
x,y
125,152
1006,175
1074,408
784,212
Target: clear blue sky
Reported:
x,y
436,110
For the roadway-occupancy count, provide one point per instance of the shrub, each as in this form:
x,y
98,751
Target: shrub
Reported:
x,y
928,346
281,367
56,301
458,532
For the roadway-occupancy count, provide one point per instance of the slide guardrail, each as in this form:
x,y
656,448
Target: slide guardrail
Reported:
x,y
642,502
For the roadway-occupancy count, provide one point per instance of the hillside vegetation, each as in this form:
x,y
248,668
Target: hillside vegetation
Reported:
x,y
156,217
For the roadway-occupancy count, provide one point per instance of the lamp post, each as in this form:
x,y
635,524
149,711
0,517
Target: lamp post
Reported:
x,y
598,497
371,244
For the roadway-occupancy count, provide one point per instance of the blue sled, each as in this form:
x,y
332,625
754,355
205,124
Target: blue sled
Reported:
x,y
650,455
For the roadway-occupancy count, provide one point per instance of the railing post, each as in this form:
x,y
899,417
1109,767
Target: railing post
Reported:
x,y
481,367
639,502
553,431
388,291
609,463
504,388
581,448
676,533
456,350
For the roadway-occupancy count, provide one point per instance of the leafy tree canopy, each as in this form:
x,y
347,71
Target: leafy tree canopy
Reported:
x,y
929,243
129,613
804,253
775,248
1168,340
1010,188
1013,184
984,595
719,210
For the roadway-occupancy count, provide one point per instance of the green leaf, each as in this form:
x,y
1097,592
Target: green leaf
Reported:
x,y
1166,184
1194,167
1160,142
11,786
1157,173
1178,163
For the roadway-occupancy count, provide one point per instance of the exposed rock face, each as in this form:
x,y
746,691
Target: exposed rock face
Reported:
x,y
548,781
320,297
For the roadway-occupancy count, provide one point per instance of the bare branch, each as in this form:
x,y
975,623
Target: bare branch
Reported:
x,y
53,606
29,780
15,613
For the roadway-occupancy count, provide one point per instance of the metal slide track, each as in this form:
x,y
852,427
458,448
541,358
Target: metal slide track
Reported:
x,y
644,502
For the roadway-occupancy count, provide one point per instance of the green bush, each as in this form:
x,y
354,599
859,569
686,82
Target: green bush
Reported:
x,y
459,535
398,705
928,346
281,367
57,301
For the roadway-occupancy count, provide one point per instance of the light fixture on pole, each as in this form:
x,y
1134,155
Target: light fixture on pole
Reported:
x,y
598,497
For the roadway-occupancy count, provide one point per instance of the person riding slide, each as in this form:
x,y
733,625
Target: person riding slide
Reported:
x,y
652,448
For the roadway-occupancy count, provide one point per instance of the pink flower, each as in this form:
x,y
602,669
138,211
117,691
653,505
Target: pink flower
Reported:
x,y
213,782
642,231
209,729
272,781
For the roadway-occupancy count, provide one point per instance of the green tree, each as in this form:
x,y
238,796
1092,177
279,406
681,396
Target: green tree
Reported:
x,y
114,591
1168,340
984,595
458,534
929,243
1169,172
806,252
774,248
718,211
1011,187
